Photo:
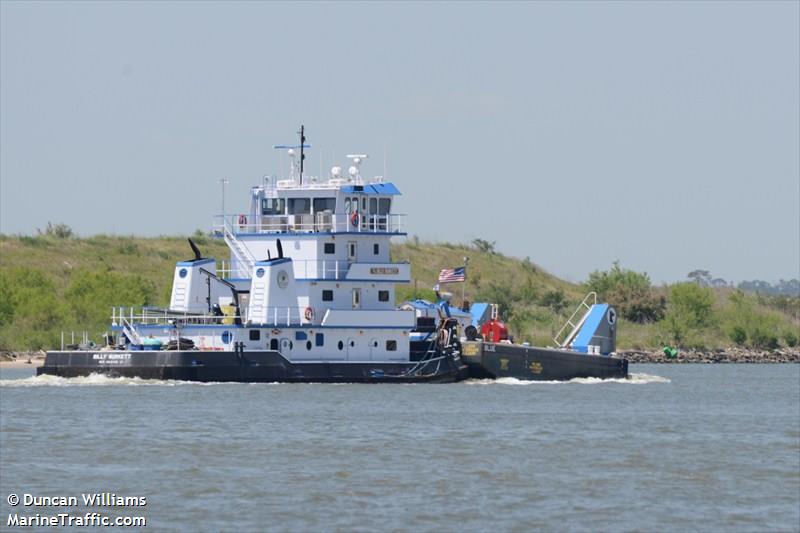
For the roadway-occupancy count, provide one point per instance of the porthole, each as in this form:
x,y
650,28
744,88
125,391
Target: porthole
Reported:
x,y
352,344
341,345
308,345
183,272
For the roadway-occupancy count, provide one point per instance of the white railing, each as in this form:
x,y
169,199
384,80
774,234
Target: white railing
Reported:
x,y
319,222
275,316
303,269
285,316
133,316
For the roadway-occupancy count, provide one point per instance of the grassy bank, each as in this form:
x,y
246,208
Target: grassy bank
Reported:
x,y
51,283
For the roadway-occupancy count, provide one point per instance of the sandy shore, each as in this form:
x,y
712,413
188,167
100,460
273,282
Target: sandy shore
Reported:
x,y
21,363
21,360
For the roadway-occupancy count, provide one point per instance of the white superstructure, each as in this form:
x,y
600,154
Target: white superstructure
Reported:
x,y
309,275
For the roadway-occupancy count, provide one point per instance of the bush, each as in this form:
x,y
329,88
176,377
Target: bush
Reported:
x,y
32,310
630,292
59,231
92,294
738,335
791,339
693,302
760,326
761,338
484,246
555,300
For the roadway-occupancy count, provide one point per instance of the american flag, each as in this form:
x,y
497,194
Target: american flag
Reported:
x,y
452,275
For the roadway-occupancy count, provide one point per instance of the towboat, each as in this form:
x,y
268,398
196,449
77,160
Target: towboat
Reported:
x,y
308,295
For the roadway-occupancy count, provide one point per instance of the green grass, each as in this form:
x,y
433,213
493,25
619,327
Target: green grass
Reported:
x,y
49,284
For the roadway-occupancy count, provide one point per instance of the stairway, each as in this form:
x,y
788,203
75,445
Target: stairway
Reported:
x,y
130,332
244,259
572,325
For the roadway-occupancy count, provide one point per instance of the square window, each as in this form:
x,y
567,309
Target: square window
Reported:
x,y
391,346
255,335
300,335
376,248
330,248
383,296
327,295
320,339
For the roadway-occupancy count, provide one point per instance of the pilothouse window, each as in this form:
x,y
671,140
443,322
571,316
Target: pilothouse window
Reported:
x,y
272,206
384,205
299,206
324,204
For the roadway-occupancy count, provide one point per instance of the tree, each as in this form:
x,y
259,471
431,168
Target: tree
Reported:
x,y
630,292
701,277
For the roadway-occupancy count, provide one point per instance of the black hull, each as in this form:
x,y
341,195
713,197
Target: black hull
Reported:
x,y
247,367
499,360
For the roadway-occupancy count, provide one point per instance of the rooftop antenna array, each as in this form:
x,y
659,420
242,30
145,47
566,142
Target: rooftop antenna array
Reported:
x,y
290,149
355,168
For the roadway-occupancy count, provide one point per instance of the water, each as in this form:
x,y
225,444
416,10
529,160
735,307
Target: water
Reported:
x,y
679,447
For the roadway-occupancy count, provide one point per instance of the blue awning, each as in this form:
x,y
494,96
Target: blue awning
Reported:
x,y
372,188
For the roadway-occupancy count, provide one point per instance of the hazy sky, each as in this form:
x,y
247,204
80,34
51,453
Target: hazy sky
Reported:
x,y
665,135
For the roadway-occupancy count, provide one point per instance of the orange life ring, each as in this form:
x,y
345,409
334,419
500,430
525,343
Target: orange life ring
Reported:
x,y
242,221
354,218
309,314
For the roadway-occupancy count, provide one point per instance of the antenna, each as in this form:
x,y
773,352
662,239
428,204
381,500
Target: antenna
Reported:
x,y
290,148
302,155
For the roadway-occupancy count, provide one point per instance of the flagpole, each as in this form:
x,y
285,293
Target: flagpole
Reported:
x,y
464,286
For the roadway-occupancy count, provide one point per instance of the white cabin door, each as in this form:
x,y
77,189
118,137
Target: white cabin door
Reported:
x,y
356,298
351,349
373,349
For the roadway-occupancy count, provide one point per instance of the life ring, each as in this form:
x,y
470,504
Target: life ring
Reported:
x,y
309,314
242,221
354,218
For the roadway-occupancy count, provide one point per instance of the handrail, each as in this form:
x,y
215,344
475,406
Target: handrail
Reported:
x,y
308,223
581,306
131,317
304,269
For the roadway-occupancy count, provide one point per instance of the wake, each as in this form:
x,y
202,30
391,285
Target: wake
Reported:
x,y
633,379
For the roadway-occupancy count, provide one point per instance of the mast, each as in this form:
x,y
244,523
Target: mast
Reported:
x,y
302,155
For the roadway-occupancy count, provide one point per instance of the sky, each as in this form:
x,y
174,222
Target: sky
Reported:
x,y
664,135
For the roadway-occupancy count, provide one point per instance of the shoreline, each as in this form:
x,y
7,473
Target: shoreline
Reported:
x,y
22,362
717,356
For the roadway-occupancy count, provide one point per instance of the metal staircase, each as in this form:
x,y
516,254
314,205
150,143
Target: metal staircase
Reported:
x,y
583,308
130,331
244,259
